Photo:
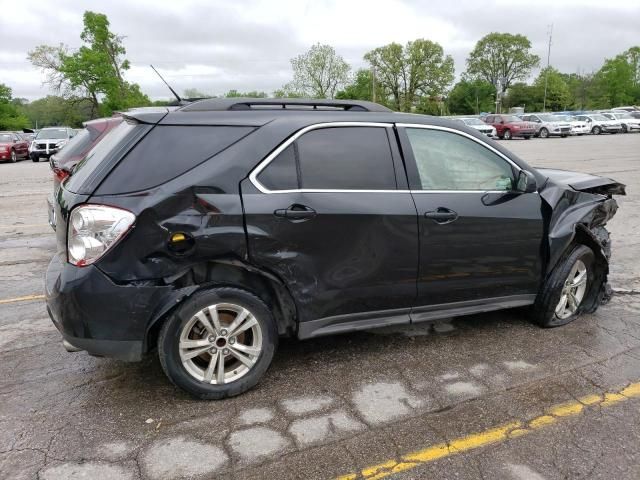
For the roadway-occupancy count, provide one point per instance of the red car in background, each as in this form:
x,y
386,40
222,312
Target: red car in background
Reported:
x,y
510,126
13,147
62,163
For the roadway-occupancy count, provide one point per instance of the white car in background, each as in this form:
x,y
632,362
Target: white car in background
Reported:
x,y
548,125
578,127
628,122
477,124
598,123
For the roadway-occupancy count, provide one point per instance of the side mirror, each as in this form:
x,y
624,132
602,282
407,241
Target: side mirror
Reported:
x,y
501,121
526,182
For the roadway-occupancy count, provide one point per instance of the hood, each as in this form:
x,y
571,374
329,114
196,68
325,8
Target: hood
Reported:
x,y
584,182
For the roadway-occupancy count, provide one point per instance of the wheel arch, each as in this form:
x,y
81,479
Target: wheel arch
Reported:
x,y
207,275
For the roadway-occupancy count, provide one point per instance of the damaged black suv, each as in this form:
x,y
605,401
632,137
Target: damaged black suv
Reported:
x,y
212,230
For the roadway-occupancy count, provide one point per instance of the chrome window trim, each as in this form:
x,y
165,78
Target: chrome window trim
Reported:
x,y
269,158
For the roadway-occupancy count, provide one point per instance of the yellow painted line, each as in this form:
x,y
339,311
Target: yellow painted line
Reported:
x,y
492,435
26,298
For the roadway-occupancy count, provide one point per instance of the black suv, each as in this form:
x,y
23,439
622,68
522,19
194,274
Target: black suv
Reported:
x,y
210,231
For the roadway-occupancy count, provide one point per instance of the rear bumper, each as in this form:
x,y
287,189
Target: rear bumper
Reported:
x,y
94,314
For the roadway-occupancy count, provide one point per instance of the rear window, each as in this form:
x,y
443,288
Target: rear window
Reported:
x,y
167,152
88,167
76,145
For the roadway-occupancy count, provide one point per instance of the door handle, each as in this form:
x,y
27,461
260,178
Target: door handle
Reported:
x,y
296,212
442,215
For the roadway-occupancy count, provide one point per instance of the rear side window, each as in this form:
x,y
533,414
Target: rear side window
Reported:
x,y
340,158
167,152
347,158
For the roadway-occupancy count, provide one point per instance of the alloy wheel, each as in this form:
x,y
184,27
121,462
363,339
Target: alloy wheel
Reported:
x,y
220,343
544,133
573,290
14,157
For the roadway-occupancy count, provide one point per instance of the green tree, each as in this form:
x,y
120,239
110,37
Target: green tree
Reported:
x,y
618,80
558,93
502,57
94,71
360,88
10,117
522,95
420,68
469,97
54,110
252,94
318,73
195,93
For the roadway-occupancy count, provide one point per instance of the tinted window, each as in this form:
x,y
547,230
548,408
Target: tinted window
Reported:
x,y
448,161
281,173
347,158
165,153
90,163
489,119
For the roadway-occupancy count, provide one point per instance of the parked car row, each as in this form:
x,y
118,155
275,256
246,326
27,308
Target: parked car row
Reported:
x,y
558,124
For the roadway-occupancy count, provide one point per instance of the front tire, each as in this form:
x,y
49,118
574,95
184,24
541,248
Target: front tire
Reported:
x,y
624,128
596,130
544,133
14,156
561,298
218,343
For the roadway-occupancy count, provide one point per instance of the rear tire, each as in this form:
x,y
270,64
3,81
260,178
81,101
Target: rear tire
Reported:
x,y
561,299
35,159
260,339
507,135
624,128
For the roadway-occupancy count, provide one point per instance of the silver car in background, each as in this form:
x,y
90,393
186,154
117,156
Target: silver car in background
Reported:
x,y
477,124
548,125
627,121
598,123
578,127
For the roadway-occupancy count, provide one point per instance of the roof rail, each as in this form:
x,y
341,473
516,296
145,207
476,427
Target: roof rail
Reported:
x,y
222,104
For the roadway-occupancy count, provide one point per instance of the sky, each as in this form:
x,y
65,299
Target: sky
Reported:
x,y
216,46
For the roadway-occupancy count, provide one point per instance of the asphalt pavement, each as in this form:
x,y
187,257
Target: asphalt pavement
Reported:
x,y
486,396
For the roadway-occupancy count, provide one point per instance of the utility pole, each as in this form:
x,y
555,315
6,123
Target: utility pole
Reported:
x,y
373,83
546,73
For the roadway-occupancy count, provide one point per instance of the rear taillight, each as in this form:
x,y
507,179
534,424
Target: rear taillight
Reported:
x,y
93,230
60,174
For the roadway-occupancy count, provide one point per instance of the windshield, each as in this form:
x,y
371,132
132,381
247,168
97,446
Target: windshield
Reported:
x,y
52,133
473,121
511,118
6,137
549,118
600,118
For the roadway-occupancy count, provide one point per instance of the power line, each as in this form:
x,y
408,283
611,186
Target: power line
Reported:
x,y
546,73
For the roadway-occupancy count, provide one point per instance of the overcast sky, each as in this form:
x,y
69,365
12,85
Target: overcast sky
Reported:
x,y
219,45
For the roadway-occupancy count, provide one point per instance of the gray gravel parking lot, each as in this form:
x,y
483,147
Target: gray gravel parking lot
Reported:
x,y
487,396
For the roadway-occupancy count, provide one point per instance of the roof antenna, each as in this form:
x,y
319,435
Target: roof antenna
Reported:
x,y
180,101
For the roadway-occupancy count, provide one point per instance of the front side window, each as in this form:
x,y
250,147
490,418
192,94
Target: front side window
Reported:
x,y
449,161
336,158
